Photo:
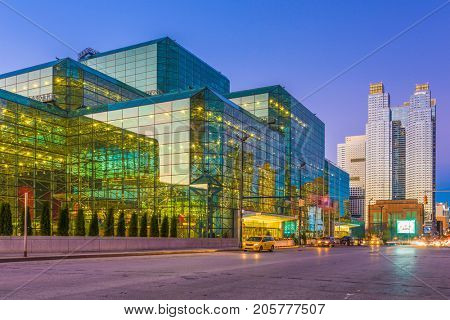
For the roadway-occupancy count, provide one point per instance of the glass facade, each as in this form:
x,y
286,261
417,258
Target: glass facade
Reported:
x,y
99,143
32,155
173,154
68,84
303,143
338,186
158,66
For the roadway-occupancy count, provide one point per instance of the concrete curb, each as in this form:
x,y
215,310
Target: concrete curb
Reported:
x,y
110,255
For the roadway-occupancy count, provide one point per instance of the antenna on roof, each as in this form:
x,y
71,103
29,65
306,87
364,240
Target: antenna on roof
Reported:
x,y
86,53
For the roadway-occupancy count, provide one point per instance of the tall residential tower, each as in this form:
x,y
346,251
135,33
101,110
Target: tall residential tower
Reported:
x,y
421,149
378,152
352,158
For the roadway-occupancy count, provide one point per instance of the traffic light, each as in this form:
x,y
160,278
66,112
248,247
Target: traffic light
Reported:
x,y
425,199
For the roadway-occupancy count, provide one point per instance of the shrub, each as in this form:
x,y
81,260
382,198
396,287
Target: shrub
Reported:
x,y
133,227
173,226
121,225
165,227
2,219
63,222
93,226
154,227
6,228
45,220
109,224
29,226
143,227
80,227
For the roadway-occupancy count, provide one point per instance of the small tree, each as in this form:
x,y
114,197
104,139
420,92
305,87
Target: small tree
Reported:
x,y
80,227
21,223
143,227
45,220
93,226
121,225
173,226
63,222
165,227
133,227
6,227
2,219
109,224
154,227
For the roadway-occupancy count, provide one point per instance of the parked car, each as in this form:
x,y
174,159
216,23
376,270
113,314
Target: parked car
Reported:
x,y
374,241
312,241
326,242
347,241
259,244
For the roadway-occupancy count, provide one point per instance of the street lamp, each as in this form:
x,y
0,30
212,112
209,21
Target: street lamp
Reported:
x,y
25,227
300,204
242,139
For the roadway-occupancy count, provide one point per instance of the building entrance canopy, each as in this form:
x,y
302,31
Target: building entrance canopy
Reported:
x,y
265,217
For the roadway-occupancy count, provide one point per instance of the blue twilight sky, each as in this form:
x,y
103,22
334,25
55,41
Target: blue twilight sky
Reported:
x,y
298,44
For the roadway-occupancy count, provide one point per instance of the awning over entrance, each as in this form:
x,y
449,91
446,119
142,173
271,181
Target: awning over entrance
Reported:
x,y
344,228
266,218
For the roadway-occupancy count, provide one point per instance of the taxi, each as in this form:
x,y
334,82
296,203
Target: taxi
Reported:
x,y
259,244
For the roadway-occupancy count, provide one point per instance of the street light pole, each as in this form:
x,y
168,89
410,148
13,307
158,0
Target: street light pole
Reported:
x,y
300,204
241,190
25,227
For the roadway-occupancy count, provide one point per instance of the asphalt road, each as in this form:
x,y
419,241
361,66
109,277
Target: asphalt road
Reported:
x,y
308,273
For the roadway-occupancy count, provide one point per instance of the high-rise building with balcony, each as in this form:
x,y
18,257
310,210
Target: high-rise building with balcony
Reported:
x,y
401,149
378,152
421,150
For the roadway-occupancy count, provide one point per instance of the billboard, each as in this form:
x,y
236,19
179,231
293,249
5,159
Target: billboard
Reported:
x,y
406,226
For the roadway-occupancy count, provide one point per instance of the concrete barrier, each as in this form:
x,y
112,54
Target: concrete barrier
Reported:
x,y
43,244
284,243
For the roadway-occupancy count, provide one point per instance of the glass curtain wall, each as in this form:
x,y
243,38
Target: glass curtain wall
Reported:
x,y
176,155
157,67
32,157
303,142
68,84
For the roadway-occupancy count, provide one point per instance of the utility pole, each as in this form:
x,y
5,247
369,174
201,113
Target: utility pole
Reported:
x,y
300,204
25,227
241,190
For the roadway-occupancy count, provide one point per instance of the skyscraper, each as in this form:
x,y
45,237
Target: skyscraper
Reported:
x,y
378,152
401,148
352,158
421,149
398,160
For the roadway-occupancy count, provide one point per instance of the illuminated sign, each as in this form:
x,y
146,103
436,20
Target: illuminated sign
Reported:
x,y
154,92
406,226
44,97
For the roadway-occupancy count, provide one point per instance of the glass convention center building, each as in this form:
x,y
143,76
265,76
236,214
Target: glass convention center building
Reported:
x,y
152,129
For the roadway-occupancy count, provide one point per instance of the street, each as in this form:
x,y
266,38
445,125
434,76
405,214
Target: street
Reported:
x,y
306,273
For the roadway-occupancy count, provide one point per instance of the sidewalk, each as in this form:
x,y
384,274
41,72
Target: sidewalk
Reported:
x,y
15,257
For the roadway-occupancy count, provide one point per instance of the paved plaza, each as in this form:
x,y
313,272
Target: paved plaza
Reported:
x,y
306,273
